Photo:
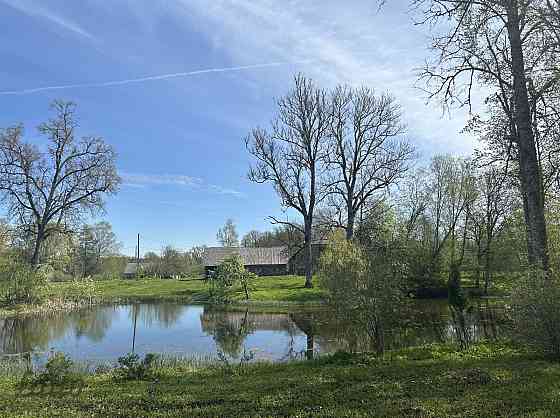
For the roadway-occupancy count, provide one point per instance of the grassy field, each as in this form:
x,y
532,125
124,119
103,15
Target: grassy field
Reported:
x,y
264,290
432,381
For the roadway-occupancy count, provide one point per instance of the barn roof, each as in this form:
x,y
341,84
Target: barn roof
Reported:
x,y
213,256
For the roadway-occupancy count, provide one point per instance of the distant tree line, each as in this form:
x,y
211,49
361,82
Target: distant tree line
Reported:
x,y
172,263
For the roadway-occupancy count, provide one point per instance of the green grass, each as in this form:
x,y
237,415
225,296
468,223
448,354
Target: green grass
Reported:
x,y
141,289
263,289
274,290
282,289
432,381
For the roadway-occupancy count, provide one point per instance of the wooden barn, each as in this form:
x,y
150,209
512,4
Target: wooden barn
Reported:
x,y
271,261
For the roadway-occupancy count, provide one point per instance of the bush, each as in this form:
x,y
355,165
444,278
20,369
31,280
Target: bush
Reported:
x,y
58,372
362,293
535,308
229,274
20,283
132,368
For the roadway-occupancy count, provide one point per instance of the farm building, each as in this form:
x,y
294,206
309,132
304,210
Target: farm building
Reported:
x,y
261,261
132,269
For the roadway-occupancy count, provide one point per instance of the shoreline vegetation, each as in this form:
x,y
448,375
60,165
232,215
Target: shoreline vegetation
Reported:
x,y
487,380
265,292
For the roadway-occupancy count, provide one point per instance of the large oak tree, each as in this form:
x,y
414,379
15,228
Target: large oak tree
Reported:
x,y
49,185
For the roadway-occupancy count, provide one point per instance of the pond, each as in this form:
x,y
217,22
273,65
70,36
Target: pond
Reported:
x,y
103,333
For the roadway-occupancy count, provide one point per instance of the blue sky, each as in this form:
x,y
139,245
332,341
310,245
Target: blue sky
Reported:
x,y
179,137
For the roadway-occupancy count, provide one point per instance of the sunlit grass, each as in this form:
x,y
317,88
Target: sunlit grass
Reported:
x,y
274,290
432,381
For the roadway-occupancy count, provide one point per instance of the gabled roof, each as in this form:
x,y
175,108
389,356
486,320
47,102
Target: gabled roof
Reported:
x,y
214,256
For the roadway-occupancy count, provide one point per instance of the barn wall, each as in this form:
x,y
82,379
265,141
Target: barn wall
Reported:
x,y
259,270
269,270
297,261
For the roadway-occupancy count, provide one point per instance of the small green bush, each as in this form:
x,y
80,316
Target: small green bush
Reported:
x,y
132,368
58,371
535,308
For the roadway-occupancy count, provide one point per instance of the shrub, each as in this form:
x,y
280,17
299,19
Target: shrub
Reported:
x,y
58,371
132,368
20,283
535,308
362,293
229,274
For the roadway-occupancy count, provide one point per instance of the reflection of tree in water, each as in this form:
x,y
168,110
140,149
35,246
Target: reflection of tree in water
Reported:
x,y
36,332
164,314
23,334
306,322
93,323
478,322
228,328
422,323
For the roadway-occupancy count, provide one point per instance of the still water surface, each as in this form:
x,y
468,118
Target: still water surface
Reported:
x,y
103,333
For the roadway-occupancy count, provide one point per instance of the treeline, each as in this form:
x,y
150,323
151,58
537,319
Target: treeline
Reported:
x,y
452,212
172,263
91,251
340,159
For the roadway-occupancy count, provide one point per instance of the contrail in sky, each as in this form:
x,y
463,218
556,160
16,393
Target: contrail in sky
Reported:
x,y
143,79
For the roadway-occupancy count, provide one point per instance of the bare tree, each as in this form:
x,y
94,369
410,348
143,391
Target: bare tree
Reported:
x,y
413,202
46,190
495,201
292,156
366,154
227,236
449,191
251,239
104,240
510,47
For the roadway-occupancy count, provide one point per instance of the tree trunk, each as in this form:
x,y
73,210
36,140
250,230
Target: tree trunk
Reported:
x,y
350,224
308,248
36,258
478,264
529,173
487,268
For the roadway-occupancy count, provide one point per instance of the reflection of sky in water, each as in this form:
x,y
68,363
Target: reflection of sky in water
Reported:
x,y
104,333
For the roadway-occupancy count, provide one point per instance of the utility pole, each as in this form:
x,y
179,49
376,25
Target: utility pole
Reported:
x,y
138,258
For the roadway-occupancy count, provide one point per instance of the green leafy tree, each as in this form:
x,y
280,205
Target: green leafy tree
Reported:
x,y
535,308
361,293
231,273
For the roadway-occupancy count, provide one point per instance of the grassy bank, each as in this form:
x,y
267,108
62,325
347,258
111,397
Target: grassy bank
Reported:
x,y
264,290
432,381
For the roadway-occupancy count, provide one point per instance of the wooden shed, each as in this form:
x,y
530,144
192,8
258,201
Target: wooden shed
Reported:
x,y
271,261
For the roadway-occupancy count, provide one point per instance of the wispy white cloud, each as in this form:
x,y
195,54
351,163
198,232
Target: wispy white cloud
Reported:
x,y
139,180
160,179
344,42
143,79
38,10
